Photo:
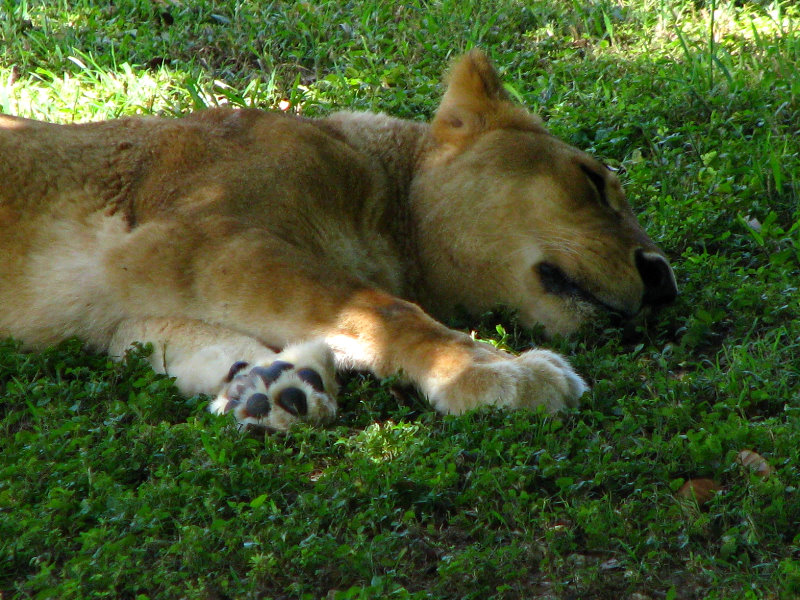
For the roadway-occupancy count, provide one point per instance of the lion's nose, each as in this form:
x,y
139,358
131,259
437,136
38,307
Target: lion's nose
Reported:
x,y
658,278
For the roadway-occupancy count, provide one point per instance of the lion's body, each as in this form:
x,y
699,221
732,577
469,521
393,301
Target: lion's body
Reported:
x,y
224,233
143,214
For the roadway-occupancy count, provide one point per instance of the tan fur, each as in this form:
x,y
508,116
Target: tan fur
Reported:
x,y
229,232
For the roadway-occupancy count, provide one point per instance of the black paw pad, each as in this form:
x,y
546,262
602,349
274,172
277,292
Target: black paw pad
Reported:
x,y
229,406
257,405
312,378
293,401
272,372
235,368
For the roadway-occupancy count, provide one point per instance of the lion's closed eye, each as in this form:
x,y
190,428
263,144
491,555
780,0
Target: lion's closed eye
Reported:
x,y
598,182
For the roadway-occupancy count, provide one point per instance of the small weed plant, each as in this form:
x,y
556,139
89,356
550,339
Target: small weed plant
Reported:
x,y
114,486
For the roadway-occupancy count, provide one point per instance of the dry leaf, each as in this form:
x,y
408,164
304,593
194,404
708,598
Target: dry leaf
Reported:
x,y
701,490
753,223
755,462
611,563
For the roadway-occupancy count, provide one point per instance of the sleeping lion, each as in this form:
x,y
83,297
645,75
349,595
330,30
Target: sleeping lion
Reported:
x,y
260,252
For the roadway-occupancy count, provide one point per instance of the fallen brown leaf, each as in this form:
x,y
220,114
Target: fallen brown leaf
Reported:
x,y
702,490
755,462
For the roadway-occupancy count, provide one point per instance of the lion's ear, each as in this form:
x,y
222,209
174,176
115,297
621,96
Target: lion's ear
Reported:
x,y
473,78
473,91
475,101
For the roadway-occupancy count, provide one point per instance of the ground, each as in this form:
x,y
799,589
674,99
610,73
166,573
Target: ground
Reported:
x,y
112,485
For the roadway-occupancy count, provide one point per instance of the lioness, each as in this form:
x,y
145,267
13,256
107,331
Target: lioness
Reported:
x,y
228,234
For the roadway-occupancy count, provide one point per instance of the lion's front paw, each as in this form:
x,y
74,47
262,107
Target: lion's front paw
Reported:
x,y
299,385
534,378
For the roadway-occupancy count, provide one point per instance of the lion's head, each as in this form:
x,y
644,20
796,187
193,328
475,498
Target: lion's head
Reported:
x,y
507,214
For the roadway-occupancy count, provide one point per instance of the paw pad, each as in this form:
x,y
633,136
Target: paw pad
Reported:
x,y
293,401
312,378
234,370
257,405
274,396
271,373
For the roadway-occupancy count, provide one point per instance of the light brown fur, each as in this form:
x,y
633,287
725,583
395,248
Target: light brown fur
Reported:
x,y
226,233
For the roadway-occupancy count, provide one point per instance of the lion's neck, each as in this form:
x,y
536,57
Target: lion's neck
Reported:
x,y
398,145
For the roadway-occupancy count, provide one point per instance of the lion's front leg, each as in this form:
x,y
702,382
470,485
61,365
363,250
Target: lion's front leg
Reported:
x,y
261,388
534,378
388,336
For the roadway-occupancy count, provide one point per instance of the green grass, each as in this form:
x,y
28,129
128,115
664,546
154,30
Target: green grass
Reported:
x,y
112,485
